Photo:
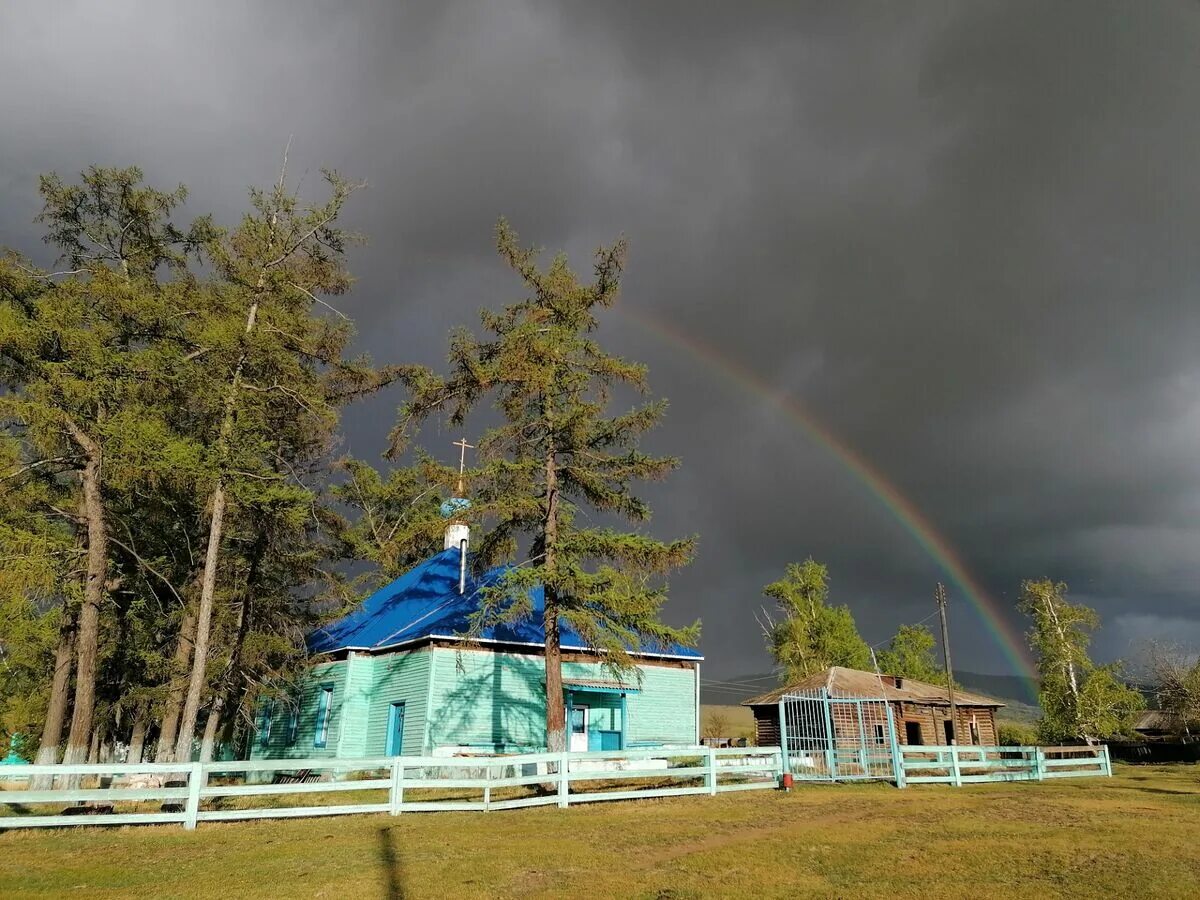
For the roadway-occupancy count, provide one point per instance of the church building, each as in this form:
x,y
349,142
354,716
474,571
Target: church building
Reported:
x,y
398,675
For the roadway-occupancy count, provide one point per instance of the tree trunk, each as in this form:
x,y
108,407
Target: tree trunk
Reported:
x,y
93,596
175,694
1069,664
556,714
93,754
216,527
56,712
223,689
208,585
137,742
210,727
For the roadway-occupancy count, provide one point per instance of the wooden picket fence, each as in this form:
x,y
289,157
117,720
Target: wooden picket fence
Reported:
x,y
972,764
252,789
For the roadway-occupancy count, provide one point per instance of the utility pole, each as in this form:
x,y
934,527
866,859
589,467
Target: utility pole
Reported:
x,y
940,596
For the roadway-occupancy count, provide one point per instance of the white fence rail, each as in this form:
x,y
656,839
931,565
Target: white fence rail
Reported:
x,y
970,764
222,791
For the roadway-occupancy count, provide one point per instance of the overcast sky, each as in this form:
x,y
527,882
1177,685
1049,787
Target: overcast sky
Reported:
x,y
962,236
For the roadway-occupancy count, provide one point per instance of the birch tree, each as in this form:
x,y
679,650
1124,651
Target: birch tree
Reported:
x,y
812,635
1079,700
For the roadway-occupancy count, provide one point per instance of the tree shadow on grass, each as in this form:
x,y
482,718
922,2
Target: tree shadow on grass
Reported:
x,y
1142,789
389,858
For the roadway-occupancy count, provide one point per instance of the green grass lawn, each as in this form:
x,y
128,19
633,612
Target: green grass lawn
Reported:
x,y
1134,835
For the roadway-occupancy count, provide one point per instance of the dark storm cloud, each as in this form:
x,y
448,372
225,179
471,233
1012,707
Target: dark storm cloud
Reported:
x,y
960,234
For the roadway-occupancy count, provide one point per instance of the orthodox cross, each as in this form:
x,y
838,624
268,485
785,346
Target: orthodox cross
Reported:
x,y
463,447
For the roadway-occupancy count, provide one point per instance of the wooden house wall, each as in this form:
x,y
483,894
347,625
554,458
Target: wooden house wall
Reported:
x,y
356,705
477,698
304,746
766,726
492,699
931,719
399,677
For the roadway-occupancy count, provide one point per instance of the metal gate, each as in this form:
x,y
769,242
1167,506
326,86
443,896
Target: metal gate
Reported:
x,y
829,737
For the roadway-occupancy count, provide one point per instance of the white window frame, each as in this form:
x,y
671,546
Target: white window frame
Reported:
x,y
324,699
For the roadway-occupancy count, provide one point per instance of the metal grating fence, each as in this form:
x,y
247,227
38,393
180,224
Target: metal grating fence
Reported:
x,y
831,737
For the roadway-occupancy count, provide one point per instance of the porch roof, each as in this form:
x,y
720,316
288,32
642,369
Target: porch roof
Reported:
x,y
601,687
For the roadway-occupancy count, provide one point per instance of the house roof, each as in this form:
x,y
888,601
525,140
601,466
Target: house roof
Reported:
x,y
425,603
1154,720
856,683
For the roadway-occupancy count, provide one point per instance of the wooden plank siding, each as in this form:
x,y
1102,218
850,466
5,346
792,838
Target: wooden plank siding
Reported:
x,y
931,719
766,726
399,677
473,697
356,707
498,700
307,702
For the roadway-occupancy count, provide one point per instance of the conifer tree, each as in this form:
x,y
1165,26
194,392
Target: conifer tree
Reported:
x,y
395,521
557,454
812,635
82,360
1079,699
38,604
277,354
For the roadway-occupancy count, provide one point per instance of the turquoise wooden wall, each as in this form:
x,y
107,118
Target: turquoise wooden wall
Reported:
x,y
469,698
278,747
483,698
399,677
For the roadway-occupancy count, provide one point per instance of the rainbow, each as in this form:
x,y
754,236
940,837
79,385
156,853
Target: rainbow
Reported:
x,y
903,510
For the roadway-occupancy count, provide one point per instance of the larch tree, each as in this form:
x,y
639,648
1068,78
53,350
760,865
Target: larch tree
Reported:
x,y
1079,699
81,361
277,352
812,635
558,454
390,521
39,599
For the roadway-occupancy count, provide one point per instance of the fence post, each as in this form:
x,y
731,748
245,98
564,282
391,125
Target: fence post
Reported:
x,y
712,770
1106,768
894,746
564,790
954,767
487,791
396,794
783,740
1039,763
194,782
830,736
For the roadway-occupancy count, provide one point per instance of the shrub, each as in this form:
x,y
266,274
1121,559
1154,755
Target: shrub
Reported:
x,y
1014,735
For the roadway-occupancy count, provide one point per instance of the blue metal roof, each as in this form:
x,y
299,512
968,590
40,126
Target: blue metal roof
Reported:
x,y
425,603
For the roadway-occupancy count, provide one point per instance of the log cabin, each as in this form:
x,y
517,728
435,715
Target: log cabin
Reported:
x,y
921,711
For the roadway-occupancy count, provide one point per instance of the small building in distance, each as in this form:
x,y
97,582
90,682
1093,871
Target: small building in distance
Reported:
x,y
1156,725
921,711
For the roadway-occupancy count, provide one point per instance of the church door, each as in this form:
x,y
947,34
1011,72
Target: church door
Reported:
x,y
579,729
395,732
